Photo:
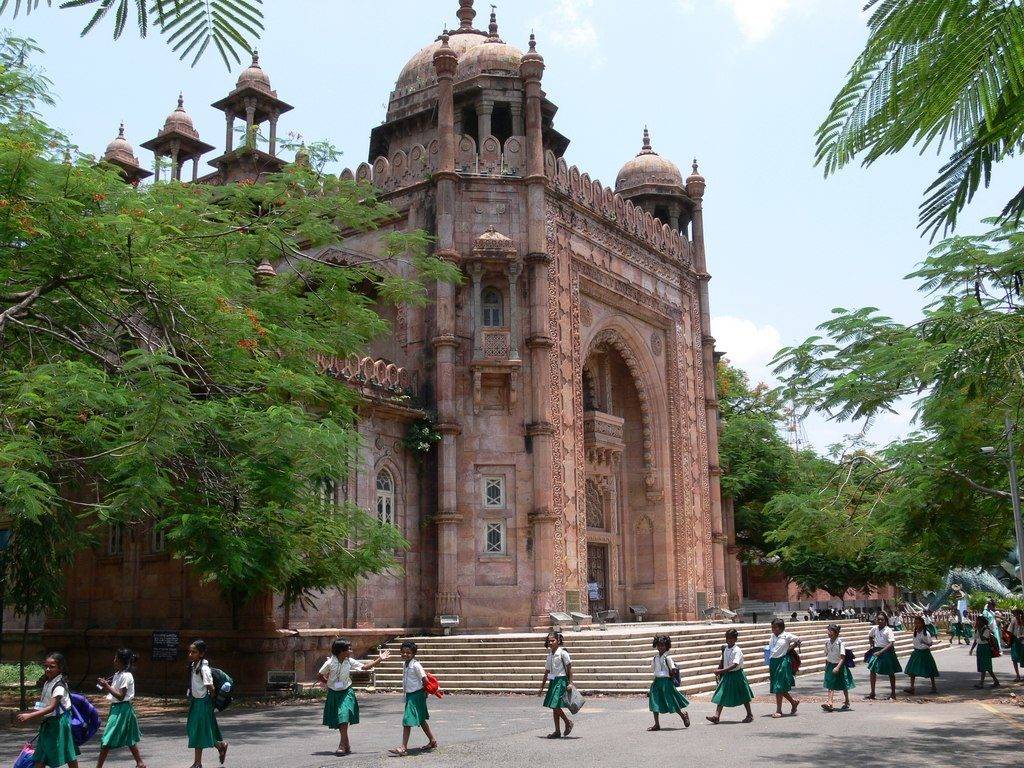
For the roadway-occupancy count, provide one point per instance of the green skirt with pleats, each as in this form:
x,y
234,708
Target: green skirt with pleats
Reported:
x,y
841,682
556,688
664,698
55,745
203,731
122,728
341,708
416,713
780,672
984,654
885,663
733,690
1017,651
921,664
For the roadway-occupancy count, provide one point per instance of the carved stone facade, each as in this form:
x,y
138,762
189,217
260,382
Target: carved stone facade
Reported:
x,y
571,372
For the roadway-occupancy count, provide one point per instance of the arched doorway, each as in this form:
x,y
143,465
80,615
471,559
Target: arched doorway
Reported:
x,y
618,450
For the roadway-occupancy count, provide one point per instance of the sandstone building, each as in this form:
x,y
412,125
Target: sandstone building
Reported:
x,y
571,374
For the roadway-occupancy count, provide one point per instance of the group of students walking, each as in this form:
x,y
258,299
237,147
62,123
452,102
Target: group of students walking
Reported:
x,y
55,746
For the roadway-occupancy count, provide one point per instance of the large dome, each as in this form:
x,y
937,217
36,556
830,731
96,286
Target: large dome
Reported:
x,y
493,56
419,72
648,168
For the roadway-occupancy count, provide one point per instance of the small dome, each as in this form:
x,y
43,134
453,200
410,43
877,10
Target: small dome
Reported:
x,y
253,76
647,168
179,120
493,243
120,149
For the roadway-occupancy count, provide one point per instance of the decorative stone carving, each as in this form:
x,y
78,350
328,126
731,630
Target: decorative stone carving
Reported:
x,y
656,347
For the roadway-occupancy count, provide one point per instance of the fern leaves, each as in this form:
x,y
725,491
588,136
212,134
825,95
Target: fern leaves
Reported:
x,y
189,26
935,73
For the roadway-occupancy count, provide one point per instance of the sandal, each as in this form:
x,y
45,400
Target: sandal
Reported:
x,y
568,728
431,745
871,696
222,751
654,728
828,707
398,751
747,719
795,705
845,708
712,719
555,735
686,720
342,752
776,715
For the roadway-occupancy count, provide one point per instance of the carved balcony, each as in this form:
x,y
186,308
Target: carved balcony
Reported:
x,y
603,437
376,379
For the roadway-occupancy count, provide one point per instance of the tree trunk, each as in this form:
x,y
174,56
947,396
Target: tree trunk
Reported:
x,y
21,662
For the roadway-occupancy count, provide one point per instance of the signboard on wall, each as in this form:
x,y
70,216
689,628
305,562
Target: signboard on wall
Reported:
x,y
166,646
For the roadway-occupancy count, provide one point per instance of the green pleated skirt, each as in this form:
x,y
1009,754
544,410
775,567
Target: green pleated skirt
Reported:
x,y
885,663
1017,651
341,708
415,709
780,673
201,726
984,654
122,728
733,690
921,664
556,688
841,682
55,745
664,698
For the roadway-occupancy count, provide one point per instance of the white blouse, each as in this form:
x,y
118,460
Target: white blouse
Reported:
x,y
835,652
557,662
780,644
125,680
55,689
733,655
882,637
923,641
412,677
1015,629
200,681
339,673
662,665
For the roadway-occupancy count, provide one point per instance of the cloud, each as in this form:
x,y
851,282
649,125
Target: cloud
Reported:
x,y
756,19
747,345
569,24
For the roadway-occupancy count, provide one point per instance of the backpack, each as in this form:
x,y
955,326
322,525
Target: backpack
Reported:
x,y
222,685
849,659
85,720
27,757
432,686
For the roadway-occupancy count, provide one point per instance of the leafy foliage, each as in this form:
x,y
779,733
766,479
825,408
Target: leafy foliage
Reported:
x,y
943,73
147,379
190,26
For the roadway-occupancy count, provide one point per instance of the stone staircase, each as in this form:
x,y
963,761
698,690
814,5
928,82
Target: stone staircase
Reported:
x,y
616,661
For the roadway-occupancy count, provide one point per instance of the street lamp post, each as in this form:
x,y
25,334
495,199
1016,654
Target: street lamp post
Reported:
x,y
1014,497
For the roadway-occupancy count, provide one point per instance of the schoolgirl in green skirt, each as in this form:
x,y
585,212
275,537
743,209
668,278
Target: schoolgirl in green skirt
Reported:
x,y
780,668
558,676
122,728
414,679
341,708
984,639
664,698
55,745
837,674
201,726
1016,630
733,689
883,659
921,662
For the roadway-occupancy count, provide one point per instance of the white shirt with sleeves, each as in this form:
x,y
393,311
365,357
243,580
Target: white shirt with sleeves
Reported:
x,y
835,652
557,663
412,677
779,645
125,680
662,665
732,656
56,689
923,641
1015,628
881,637
339,673
200,681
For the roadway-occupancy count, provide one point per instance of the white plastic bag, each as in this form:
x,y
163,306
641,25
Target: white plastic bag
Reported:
x,y
573,700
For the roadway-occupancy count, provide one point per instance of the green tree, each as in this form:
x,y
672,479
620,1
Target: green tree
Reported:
x,y
189,26
146,377
943,73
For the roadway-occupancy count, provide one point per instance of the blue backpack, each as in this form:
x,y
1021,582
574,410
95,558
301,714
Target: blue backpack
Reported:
x,y
85,720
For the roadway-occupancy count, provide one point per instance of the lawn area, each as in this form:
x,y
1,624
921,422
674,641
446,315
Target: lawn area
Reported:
x,y
9,674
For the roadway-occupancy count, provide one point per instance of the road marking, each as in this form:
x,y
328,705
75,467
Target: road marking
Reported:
x,y
999,713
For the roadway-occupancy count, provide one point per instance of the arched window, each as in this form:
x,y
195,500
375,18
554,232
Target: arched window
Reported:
x,y
385,498
492,307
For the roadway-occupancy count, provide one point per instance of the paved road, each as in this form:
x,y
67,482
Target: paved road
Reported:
x,y
959,727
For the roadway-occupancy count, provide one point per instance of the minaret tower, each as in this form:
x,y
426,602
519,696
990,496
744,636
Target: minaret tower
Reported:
x,y
120,152
179,140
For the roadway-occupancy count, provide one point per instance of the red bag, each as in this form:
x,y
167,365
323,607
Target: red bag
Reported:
x,y
794,660
432,686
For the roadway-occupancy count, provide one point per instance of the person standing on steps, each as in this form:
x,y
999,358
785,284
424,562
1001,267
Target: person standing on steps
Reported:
x,y
341,708
780,666
663,697
837,675
733,688
414,679
921,662
985,643
558,676
1016,630
883,655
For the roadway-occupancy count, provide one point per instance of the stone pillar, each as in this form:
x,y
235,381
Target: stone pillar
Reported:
x,y
250,120
674,212
444,342
175,167
273,133
514,269
484,110
229,139
195,167
695,186
540,429
516,108
475,273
